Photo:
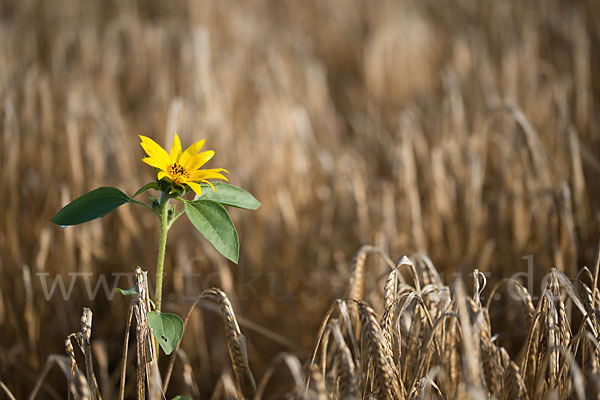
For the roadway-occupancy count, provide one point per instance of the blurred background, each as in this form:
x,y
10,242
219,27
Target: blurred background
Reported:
x,y
464,130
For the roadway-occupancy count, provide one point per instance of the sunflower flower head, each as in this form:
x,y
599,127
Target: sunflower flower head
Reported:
x,y
181,170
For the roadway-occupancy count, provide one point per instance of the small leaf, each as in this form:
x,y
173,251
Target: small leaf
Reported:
x,y
213,222
127,292
167,329
229,195
180,397
131,292
150,185
92,205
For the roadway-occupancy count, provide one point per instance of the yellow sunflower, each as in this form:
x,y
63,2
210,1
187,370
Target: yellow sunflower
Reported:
x,y
181,168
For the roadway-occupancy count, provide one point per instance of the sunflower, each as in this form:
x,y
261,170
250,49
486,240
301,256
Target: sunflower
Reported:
x,y
182,169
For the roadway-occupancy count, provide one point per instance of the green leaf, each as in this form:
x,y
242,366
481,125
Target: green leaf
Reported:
x,y
130,292
230,195
150,185
127,292
167,329
180,397
213,222
92,205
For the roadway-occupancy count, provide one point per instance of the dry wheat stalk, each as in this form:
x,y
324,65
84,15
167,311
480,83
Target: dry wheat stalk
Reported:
x,y
79,386
514,384
226,389
491,358
125,350
236,342
7,391
347,381
320,389
147,364
386,382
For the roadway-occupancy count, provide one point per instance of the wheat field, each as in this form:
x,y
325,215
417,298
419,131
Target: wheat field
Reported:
x,y
429,174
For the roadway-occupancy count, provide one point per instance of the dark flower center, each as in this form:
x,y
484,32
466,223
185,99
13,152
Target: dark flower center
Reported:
x,y
176,170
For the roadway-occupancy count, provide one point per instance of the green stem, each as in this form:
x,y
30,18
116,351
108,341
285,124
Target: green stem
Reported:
x,y
163,213
172,221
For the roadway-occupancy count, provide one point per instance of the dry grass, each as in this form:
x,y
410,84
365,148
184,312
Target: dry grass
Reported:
x,y
438,344
466,131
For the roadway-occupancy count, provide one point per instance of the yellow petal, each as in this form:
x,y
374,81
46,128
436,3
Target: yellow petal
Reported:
x,y
153,163
211,185
158,154
203,174
189,153
175,149
199,160
162,174
195,187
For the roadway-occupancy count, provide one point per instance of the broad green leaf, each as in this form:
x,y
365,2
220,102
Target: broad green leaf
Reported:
x,y
127,292
167,329
150,185
229,195
92,205
213,222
